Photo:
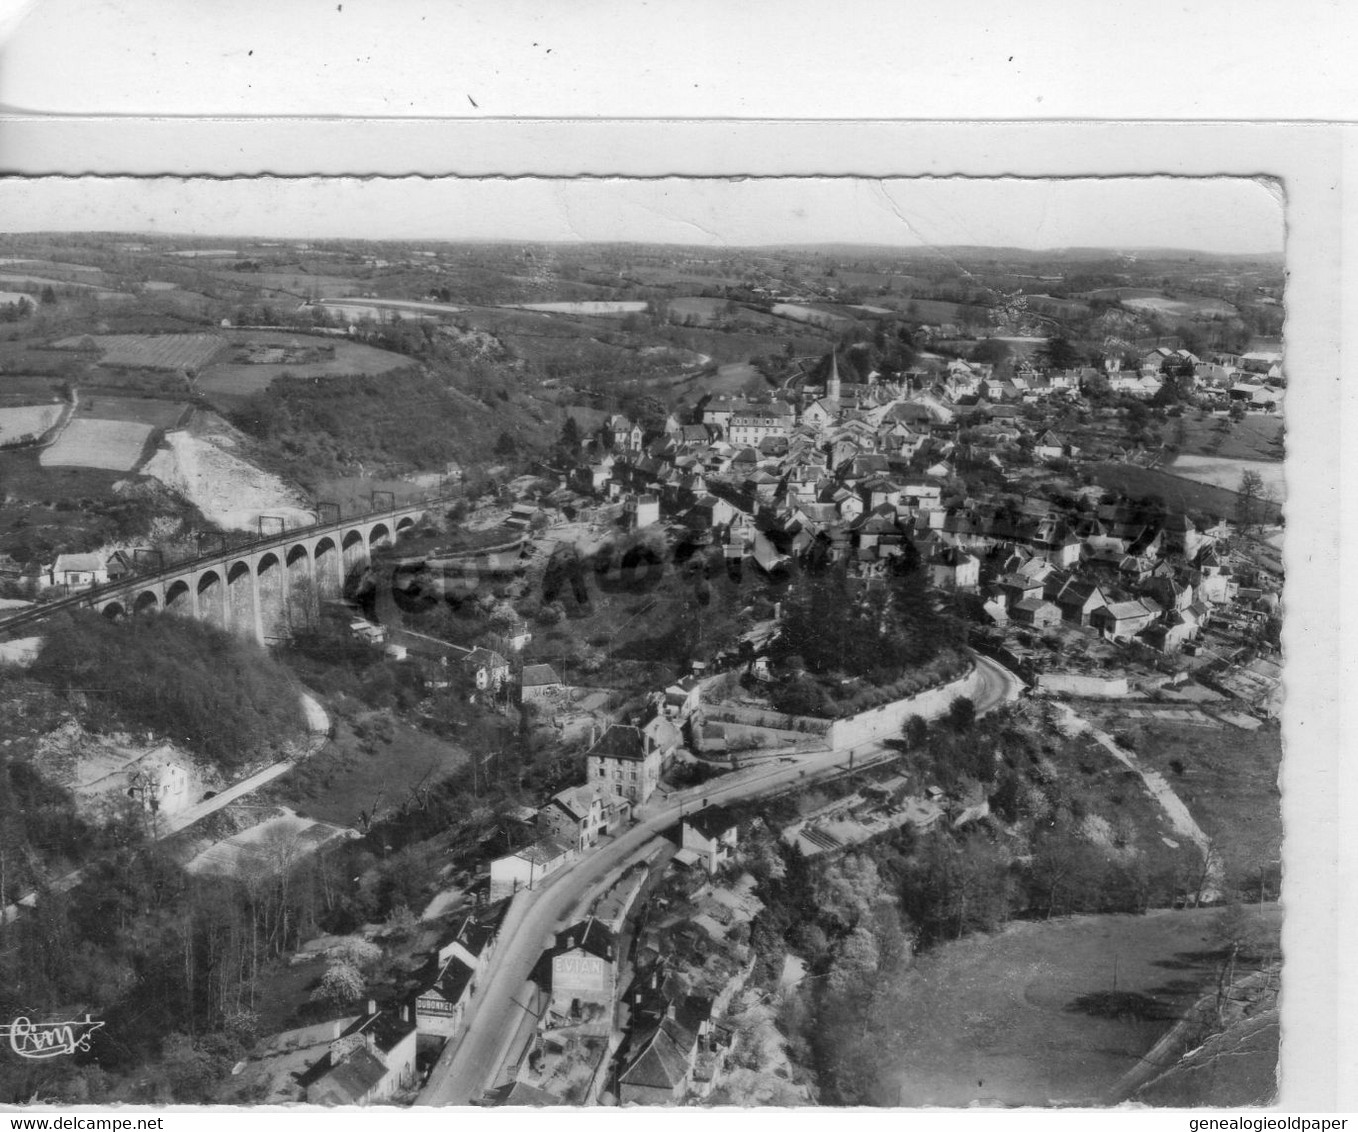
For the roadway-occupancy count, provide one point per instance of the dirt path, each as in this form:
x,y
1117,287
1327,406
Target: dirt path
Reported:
x,y
1160,790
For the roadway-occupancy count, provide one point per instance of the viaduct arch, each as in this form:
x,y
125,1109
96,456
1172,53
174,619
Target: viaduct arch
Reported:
x,y
262,590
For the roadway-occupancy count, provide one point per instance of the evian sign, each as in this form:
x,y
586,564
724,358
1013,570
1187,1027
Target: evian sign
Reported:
x,y
48,1039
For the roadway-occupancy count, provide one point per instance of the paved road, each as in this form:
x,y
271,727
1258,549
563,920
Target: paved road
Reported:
x,y
468,1066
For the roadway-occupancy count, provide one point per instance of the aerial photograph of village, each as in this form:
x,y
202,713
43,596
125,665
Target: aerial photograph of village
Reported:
x,y
710,644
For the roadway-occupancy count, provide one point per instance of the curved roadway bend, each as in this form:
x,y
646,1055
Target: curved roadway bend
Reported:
x,y
466,1068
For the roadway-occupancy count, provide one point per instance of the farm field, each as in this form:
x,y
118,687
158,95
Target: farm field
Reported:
x,y
1221,472
875,279
1178,493
1183,307
117,446
235,379
740,345
1141,299
703,312
931,310
295,282
591,306
149,351
1259,436
27,421
358,311
1044,1013
799,313
395,306
1228,779
43,281
54,265
144,410
9,298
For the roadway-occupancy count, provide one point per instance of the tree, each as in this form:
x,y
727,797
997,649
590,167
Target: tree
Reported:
x,y
48,296
962,714
1249,497
1059,353
915,732
992,351
505,446
570,436
341,984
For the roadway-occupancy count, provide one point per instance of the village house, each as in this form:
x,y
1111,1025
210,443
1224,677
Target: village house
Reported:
x,y
710,834
661,1073
76,571
539,683
525,867
629,760
1171,635
1078,599
584,966
370,1061
579,815
441,1007
1123,620
1036,612
681,699
677,1047
625,435
954,569
752,424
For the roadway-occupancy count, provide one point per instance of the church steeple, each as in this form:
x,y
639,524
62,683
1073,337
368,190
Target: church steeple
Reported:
x,y
832,385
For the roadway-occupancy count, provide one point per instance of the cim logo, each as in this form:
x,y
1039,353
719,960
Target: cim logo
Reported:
x,y
49,1039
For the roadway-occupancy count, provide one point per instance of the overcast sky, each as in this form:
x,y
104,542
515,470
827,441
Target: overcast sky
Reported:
x,y
1215,215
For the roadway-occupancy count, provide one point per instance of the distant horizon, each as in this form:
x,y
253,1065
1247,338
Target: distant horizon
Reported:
x,y
500,240
1233,216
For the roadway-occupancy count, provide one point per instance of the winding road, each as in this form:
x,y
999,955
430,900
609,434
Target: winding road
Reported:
x,y
468,1066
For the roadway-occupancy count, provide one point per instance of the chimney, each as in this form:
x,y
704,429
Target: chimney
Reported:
x,y
669,1010
372,1006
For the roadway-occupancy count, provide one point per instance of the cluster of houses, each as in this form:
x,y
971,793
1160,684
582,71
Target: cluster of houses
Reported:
x,y
860,473
598,980
623,768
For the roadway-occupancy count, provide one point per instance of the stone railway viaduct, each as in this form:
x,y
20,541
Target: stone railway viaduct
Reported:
x,y
259,588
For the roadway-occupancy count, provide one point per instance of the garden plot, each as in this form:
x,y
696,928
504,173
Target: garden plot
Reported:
x,y
149,351
27,422
272,846
115,446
